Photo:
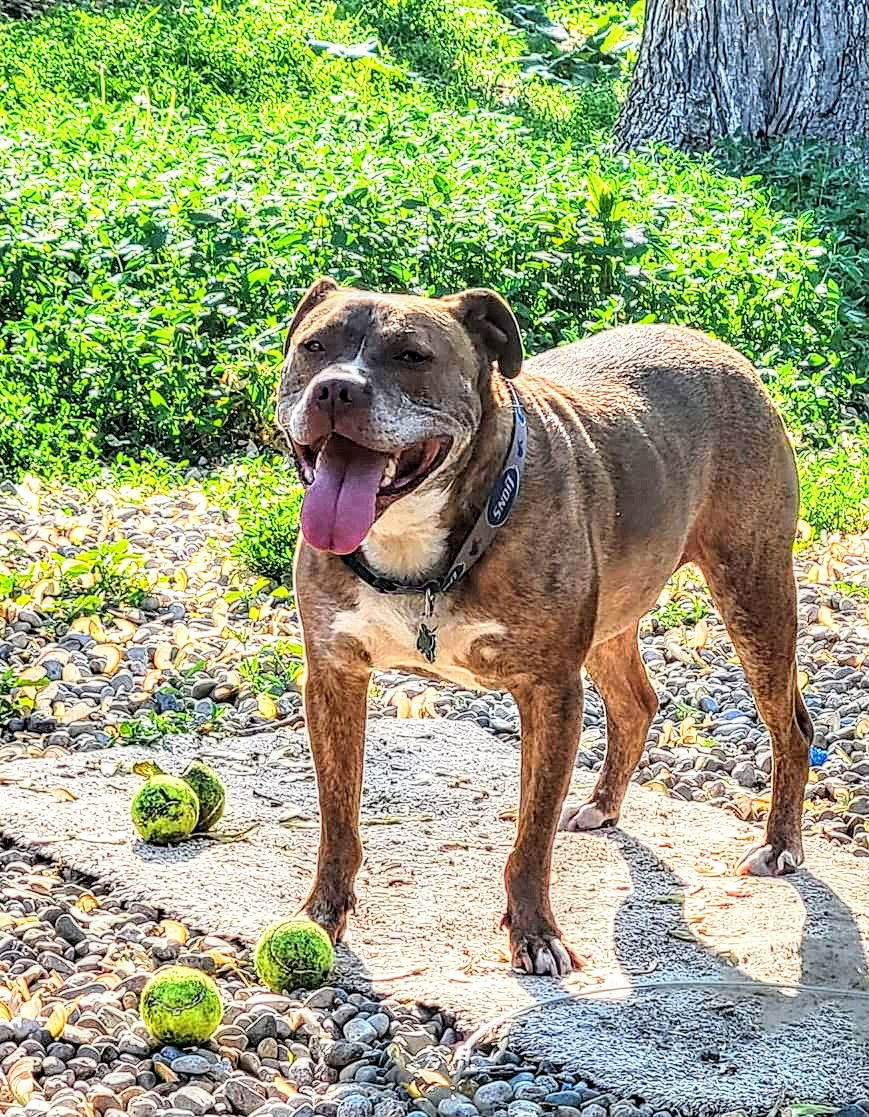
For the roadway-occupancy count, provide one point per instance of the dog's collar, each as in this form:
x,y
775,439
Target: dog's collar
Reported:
x,y
494,515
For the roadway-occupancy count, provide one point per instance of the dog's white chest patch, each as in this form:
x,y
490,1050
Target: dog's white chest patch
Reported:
x,y
409,537
388,627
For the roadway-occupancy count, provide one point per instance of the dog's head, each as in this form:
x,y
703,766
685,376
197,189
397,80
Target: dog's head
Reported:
x,y
381,396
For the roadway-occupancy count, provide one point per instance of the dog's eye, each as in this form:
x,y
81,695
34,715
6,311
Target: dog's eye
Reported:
x,y
313,346
412,357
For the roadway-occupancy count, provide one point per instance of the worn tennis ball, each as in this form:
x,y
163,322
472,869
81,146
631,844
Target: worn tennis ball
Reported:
x,y
180,1005
210,791
293,954
165,810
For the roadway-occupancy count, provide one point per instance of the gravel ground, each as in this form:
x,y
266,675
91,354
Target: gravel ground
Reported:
x,y
74,958
196,653
193,653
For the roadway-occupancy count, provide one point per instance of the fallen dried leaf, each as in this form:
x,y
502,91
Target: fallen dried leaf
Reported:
x,y
122,631
226,836
403,706
267,706
71,673
181,635
396,819
284,1087
59,1017
712,869
700,636
44,885
112,655
174,931
21,1080
146,769
63,794
294,821
164,1071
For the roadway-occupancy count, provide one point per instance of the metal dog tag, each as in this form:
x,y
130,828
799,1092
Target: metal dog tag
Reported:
x,y
427,638
427,641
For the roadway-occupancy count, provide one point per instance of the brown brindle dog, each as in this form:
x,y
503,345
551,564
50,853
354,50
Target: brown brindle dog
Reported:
x,y
647,447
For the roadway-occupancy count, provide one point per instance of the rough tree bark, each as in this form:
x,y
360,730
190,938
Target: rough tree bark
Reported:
x,y
760,68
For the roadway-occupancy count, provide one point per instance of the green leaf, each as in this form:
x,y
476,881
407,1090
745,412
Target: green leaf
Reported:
x,y
614,36
258,277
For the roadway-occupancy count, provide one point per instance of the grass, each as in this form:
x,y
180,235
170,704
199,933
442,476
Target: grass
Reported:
x,y
152,727
677,614
93,583
18,694
274,669
851,589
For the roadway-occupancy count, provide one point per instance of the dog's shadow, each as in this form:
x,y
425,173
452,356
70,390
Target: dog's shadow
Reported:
x,y
831,949
693,1007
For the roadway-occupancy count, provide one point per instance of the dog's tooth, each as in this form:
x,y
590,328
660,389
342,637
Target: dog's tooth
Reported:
x,y
389,471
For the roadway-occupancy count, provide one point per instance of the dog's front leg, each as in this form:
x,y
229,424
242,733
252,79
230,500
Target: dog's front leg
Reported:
x,y
335,712
551,716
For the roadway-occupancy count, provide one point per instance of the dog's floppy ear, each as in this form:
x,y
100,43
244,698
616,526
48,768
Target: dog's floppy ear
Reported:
x,y
492,324
315,294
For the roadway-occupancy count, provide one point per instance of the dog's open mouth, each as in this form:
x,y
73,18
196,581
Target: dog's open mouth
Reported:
x,y
349,485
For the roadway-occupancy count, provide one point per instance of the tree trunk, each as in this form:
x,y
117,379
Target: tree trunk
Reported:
x,y
759,68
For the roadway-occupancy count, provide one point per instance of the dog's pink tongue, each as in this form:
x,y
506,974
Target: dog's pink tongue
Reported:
x,y
338,507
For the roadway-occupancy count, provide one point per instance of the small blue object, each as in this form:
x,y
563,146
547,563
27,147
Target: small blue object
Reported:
x,y
817,756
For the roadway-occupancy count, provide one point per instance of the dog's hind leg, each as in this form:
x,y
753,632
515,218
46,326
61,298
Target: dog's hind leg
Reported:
x,y
750,573
620,676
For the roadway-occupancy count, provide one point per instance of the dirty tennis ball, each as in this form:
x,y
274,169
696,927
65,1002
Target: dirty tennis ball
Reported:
x,y
180,1005
165,810
293,954
210,791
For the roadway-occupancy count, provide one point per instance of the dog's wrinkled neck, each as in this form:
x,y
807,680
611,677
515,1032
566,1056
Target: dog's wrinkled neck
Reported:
x,y
415,538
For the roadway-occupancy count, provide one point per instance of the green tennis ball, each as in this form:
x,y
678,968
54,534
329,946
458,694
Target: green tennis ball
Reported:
x,y
293,954
165,810
211,792
180,1005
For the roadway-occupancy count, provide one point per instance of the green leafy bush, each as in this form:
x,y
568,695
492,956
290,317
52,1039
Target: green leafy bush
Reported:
x,y
269,501
173,174
834,485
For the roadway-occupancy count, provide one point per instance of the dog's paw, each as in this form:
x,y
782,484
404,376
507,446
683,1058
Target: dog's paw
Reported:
x,y
585,817
769,861
330,912
543,955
